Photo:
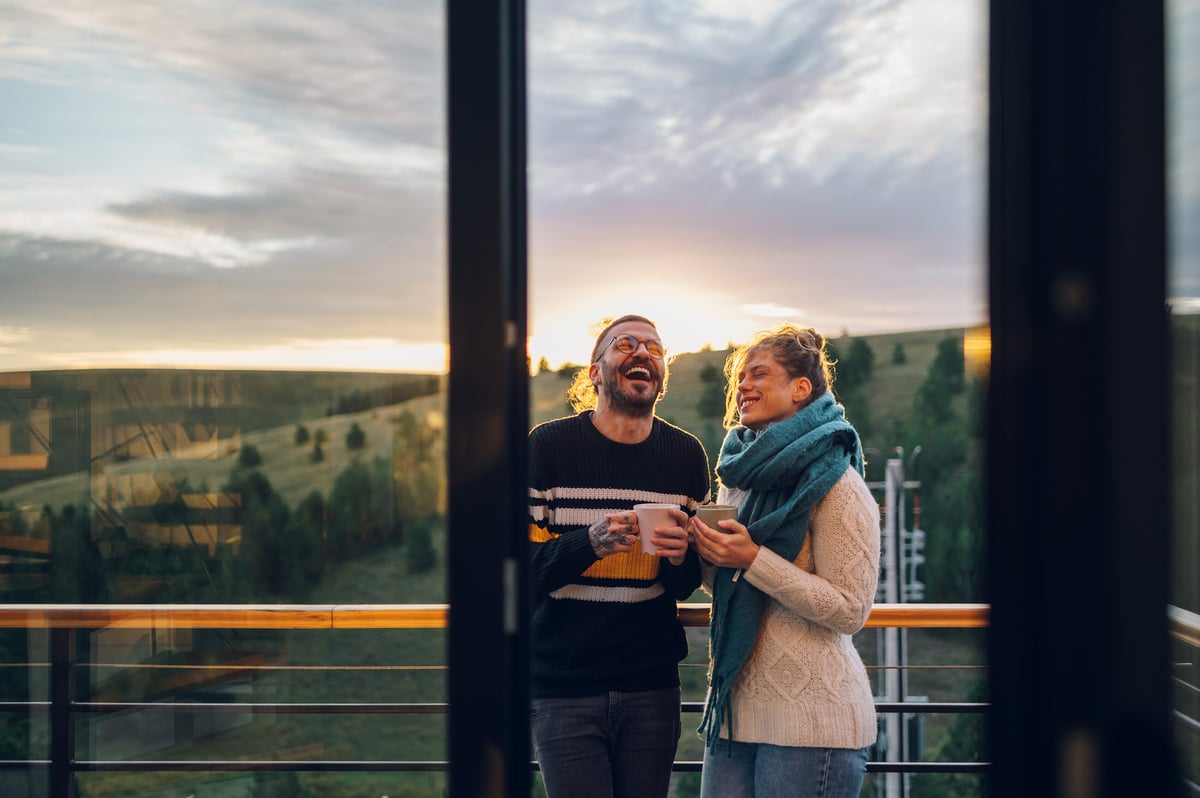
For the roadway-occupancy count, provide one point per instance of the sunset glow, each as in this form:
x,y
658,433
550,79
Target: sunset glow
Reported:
x,y
262,184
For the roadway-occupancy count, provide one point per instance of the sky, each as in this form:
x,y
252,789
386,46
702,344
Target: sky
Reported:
x,y
261,183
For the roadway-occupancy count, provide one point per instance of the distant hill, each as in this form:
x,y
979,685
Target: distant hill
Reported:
x,y
254,399
213,413
190,423
889,390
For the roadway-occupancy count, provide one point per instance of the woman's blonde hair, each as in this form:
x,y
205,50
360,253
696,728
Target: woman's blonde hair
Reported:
x,y
801,352
582,393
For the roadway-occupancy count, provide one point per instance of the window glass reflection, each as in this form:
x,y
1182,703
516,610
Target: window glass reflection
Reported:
x,y
222,356
1183,183
1183,216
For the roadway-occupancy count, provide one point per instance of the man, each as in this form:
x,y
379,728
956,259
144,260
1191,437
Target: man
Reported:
x,y
607,640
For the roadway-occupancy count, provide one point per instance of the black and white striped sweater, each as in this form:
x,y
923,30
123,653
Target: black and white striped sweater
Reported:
x,y
612,623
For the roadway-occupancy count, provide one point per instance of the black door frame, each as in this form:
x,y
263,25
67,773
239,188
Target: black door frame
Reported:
x,y
488,402
1077,478
1078,454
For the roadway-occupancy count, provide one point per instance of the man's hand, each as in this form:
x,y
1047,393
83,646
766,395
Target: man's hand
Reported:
x,y
613,533
672,541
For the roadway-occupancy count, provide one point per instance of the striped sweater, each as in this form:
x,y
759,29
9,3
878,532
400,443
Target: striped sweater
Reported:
x,y
612,623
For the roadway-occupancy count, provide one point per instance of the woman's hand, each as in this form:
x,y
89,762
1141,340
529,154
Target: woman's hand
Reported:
x,y
730,546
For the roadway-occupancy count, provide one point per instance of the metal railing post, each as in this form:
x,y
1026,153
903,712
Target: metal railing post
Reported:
x,y
893,591
62,715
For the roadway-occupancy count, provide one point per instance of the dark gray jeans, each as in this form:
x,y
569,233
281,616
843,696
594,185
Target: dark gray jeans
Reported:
x,y
613,745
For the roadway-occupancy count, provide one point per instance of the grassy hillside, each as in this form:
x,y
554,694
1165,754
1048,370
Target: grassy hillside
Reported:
x,y
287,465
254,399
888,392
891,387
265,408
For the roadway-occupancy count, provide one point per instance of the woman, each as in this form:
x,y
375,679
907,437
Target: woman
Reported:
x,y
790,709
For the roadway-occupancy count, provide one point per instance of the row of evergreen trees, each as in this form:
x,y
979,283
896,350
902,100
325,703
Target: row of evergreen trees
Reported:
x,y
283,553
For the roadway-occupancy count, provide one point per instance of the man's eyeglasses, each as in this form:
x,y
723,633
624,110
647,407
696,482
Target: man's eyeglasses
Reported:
x,y
627,345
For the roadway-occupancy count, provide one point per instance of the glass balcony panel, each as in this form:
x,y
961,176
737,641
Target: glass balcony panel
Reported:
x,y
222,368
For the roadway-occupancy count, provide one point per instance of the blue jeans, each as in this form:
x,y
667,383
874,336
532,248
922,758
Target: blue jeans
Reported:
x,y
759,770
613,745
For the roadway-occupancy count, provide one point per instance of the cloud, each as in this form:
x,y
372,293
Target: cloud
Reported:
x,y
771,311
370,66
809,90
73,294
827,155
12,335
214,175
319,251
19,152
303,205
1183,146
208,175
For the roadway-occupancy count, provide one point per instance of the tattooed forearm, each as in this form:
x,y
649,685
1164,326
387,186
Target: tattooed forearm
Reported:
x,y
605,539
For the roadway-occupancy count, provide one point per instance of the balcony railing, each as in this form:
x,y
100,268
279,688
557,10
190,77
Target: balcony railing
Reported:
x,y
63,621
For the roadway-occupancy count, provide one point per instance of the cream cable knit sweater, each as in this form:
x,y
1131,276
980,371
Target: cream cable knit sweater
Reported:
x,y
804,683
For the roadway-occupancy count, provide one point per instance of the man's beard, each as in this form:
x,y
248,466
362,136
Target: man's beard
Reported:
x,y
622,402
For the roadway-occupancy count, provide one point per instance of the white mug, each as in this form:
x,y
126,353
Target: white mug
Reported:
x,y
649,517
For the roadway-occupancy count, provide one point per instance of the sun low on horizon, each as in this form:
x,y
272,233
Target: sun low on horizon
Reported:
x,y
686,322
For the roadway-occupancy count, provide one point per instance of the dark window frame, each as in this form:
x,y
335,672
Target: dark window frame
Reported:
x,y
1078,422
488,400
1078,505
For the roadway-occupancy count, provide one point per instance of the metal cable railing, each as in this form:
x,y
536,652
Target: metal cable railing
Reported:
x,y
62,622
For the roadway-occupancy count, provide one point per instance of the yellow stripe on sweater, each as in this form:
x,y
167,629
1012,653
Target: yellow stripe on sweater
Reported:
x,y
622,565
625,565
538,534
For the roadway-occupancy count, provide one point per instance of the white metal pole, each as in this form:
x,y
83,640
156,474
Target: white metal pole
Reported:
x,y
891,639
904,585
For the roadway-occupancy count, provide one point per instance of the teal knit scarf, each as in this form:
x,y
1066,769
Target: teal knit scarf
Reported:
x,y
786,469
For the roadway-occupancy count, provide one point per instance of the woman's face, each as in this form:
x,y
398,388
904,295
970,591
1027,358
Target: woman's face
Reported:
x,y
766,393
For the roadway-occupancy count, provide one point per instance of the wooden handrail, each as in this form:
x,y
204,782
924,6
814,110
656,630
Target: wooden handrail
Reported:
x,y
224,616
1184,625
383,616
906,616
930,616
